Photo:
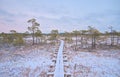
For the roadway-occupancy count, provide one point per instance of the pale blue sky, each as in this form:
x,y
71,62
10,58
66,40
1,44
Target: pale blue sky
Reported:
x,y
64,15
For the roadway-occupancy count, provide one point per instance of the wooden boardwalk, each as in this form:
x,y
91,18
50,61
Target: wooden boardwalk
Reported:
x,y
59,63
59,67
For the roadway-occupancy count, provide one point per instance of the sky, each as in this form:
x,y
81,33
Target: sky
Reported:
x,y
63,15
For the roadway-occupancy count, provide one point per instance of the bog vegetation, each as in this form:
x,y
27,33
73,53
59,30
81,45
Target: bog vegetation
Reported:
x,y
91,38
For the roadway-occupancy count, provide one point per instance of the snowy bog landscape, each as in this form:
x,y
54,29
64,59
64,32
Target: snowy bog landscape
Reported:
x,y
59,38
35,61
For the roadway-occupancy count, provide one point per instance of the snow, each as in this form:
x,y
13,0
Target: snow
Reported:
x,y
33,64
59,68
34,61
97,66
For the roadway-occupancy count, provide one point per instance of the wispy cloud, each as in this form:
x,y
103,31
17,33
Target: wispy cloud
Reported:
x,y
62,15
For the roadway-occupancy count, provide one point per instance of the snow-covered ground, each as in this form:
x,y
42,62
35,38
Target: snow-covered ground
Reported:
x,y
102,63
34,61
26,62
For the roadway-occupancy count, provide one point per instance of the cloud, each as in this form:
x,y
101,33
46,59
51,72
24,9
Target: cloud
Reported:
x,y
61,15
61,22
4,13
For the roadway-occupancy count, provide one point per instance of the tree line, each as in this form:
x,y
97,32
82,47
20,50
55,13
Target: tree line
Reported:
x,y
81,37
93,37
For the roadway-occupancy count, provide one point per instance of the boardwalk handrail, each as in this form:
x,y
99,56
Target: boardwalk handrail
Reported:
x,y
59,67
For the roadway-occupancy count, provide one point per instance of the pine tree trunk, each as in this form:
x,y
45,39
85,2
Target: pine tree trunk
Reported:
x,y
33,37
117,40
81,41
92,41
76,43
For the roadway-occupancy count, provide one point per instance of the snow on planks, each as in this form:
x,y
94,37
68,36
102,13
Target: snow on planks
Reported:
x,y
59,68
59,65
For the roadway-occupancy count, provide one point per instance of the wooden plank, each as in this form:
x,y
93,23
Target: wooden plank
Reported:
x,y
59,68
